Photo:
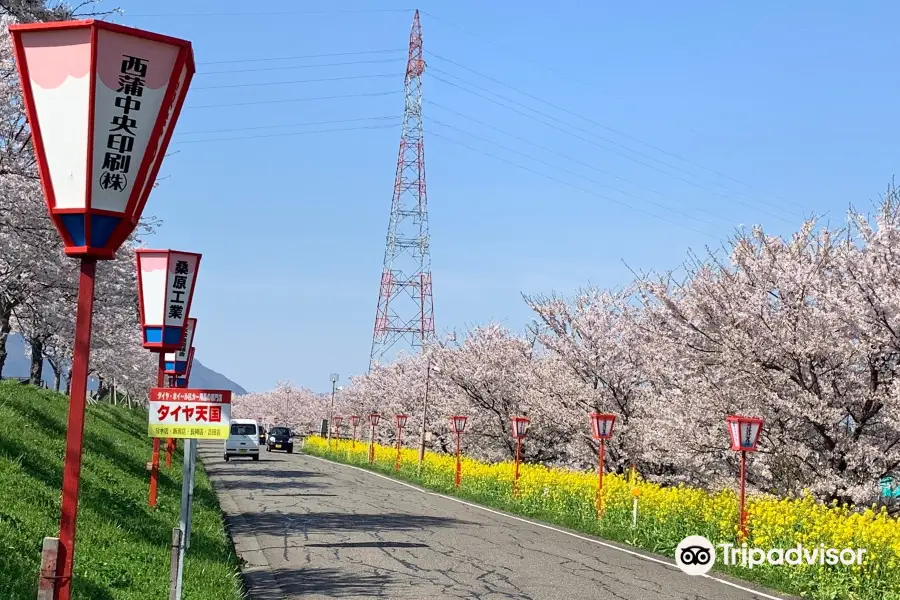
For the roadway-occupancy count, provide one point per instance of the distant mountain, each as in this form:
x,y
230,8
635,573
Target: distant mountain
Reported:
x,y
18,364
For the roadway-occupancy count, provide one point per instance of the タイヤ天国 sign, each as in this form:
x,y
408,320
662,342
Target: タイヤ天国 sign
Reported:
x,y
189,413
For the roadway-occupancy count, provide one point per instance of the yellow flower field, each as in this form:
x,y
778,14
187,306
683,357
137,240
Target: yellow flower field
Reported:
x,y
666,515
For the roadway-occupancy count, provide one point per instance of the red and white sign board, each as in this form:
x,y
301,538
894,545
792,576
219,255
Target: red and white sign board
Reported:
x,y
190,413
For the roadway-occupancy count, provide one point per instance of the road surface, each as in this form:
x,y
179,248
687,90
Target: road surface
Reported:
x,y
308,528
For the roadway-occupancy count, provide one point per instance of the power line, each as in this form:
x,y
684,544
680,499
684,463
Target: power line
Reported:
x,y
564,170
256,102
290,67
611,129
267,83
575,160
566,183
300,57
279,13
273,135
229,130
688,181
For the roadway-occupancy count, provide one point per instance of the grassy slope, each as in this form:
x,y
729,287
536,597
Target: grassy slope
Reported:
x,y
122,546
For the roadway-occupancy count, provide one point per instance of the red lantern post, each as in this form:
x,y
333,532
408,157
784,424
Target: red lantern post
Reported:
x,y
176,364
354,421
459,425
519,431
373,421
181,381
166,281
338,419
601,430
744,432
400,420
101,101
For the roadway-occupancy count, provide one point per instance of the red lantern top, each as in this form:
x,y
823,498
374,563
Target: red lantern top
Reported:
x,y
165,290
374,418
401,420
354,420
459,423
102,101
338,419
520,427
744,432
602,425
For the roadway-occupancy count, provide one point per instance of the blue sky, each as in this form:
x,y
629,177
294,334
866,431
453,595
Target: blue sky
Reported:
x,y
715,115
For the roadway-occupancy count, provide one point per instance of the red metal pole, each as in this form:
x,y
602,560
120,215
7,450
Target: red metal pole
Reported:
x,y
372,446
600,478
516,476
354,437
75,431
458,467
743,515
154,460
399,441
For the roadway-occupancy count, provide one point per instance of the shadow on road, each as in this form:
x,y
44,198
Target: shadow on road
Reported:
x,y
229,470
333,583
329,522
368,545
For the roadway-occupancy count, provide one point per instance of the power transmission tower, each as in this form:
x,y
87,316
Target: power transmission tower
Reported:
x,y
405,313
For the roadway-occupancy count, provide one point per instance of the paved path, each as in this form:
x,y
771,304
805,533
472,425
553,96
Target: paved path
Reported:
x,y
309,528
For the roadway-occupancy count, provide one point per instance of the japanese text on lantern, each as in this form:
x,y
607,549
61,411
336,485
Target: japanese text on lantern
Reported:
x,y
120,142
178,291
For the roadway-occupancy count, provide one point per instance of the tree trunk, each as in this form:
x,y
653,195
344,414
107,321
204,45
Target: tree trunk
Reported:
x,y
5,328
56,374
37,362
68,381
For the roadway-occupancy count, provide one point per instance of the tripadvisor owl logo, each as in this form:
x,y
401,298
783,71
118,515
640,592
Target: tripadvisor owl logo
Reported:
x,y
696,555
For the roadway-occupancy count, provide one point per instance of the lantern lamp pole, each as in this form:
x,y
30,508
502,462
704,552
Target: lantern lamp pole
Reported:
x,y
743,515
516,474
75,432
458,465
600,453
154,460
334,380
372,445
399,444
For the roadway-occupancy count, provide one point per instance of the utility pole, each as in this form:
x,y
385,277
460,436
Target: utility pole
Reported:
x,y
425,413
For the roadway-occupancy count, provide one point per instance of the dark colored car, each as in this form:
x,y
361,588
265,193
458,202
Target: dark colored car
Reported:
x,y
280,438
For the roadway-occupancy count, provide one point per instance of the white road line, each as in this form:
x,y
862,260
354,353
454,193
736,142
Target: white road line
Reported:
x,y
551,528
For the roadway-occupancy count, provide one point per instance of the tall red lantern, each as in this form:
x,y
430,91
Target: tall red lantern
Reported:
x,y
400,420
459,426
519,431
373,421
338,419
354,421
601,430
744,433
101,102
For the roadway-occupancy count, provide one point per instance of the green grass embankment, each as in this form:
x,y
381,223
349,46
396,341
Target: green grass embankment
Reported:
x,y
122,545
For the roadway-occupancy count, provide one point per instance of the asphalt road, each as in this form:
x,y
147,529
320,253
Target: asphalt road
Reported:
x,y
308,528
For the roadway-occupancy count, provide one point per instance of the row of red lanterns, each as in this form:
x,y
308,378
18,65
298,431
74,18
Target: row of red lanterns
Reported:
x,y
744,432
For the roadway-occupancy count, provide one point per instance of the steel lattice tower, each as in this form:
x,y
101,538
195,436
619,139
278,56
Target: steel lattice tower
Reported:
x,y
405,310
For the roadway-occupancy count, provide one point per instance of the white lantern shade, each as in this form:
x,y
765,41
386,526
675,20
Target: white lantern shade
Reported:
x,y
401,420
337,421
520,427
165,290
602,425
177,362
459,423
354,420
744,432
374,418
102,101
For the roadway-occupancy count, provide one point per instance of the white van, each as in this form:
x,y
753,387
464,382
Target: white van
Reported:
x,y
243,439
